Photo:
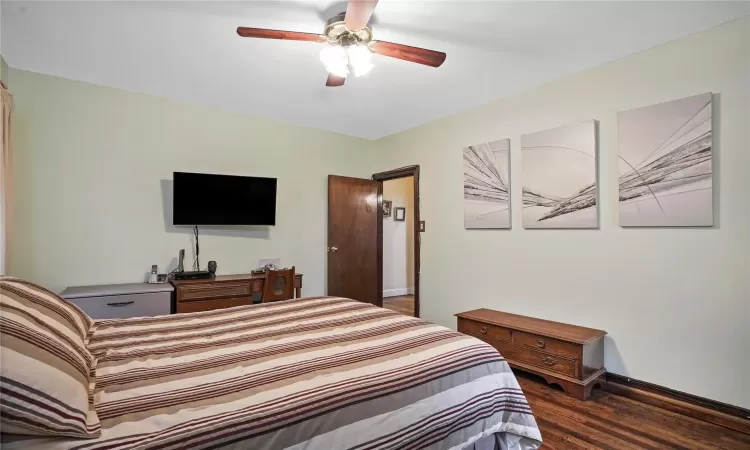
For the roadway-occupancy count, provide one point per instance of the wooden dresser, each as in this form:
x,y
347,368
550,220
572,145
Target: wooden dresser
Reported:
x,y
567,355
222,291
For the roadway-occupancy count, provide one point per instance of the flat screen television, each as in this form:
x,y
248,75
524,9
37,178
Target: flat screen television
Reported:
x,y
207,199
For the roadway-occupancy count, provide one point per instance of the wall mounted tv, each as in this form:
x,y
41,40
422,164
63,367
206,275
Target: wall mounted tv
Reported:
x,y
206,199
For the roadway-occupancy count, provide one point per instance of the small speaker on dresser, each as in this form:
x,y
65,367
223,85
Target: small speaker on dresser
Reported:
x,y
212,267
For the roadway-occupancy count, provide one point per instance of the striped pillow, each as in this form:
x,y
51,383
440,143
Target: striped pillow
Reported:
x,y
45,368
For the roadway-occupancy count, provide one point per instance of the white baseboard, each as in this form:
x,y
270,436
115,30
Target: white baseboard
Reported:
x,y
397,292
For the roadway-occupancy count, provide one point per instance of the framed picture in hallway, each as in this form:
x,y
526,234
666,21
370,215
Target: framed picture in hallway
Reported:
x,y
399,214
387,208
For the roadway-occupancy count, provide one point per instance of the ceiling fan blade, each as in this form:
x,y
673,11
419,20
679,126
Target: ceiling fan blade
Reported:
x,y
334,80
358,13
407,53
262,33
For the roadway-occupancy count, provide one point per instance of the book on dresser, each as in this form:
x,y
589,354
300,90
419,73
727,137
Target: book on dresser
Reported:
x,y
567,355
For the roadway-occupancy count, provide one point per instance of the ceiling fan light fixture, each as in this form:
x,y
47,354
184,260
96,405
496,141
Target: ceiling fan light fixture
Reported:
x,y
348,43
360,59
335,59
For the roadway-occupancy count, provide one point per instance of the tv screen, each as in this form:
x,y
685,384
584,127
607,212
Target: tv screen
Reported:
x,y
206,199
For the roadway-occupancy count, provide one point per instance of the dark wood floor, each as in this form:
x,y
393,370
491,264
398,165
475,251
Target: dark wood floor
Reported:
x,y
609,421
606,420
403,304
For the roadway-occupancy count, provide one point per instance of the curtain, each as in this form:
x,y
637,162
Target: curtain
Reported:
x,y
6,179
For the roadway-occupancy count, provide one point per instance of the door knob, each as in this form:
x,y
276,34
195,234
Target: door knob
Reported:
x,y
333,249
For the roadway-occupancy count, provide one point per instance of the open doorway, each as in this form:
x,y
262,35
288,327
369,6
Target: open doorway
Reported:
x,y
398,236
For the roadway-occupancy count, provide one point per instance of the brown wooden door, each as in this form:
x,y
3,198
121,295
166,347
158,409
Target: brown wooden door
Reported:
x,y
353,248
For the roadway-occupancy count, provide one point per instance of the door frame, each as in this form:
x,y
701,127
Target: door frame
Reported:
x,y
403,172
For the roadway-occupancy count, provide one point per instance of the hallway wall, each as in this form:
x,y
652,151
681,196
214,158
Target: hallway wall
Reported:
x,y
398,239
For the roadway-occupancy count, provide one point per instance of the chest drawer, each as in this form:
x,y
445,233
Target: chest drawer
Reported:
x,y
536,358
548,345
205,291
124,306
483,330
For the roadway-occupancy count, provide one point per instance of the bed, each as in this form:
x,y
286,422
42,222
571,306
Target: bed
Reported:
x,y
312,373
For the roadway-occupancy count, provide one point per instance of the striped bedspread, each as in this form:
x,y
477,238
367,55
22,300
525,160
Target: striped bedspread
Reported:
x,y
316,373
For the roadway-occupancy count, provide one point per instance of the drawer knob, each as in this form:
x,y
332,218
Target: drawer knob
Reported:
x,y
549,361
540,343
483,330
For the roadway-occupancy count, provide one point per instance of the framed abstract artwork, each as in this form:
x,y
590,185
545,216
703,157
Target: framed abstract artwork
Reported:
x,y
665,164
559,177
486,200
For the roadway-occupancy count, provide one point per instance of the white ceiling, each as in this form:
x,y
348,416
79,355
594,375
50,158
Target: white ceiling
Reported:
x,y
190,51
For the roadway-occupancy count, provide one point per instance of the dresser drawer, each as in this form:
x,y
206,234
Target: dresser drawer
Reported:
x,y
124,306
548,345
536,358
208,305
483,330
202,291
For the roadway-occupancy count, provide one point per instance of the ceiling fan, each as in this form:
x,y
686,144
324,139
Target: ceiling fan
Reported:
x,y
349,45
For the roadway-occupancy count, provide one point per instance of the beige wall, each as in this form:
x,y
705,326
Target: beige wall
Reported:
x,y
93,170
3,70
93,166
398,239
675,301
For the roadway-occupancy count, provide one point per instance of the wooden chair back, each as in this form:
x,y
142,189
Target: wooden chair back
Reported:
x,y
279,285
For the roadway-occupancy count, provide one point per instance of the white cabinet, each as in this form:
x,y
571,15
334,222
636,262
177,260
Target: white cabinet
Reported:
x,y
119,301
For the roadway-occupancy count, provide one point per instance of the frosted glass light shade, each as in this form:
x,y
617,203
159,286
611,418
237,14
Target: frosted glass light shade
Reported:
x,y
360,59
335,59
